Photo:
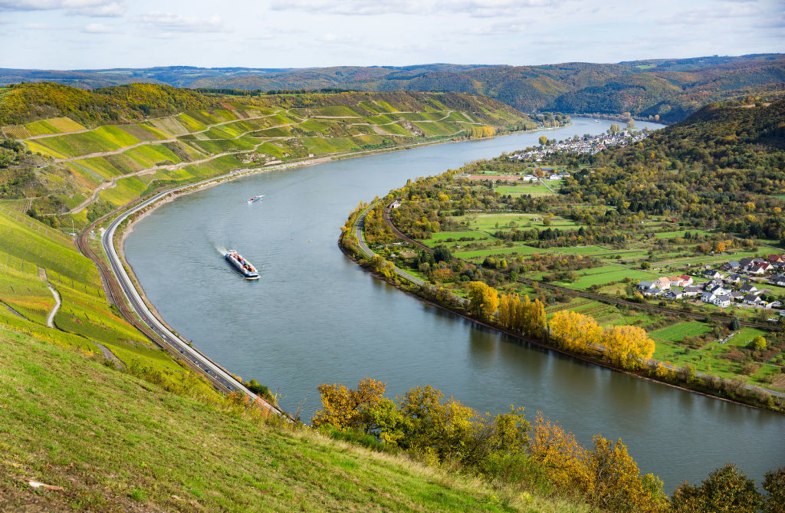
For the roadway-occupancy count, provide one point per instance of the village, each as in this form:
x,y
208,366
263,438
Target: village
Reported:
x,y
588,144
735,283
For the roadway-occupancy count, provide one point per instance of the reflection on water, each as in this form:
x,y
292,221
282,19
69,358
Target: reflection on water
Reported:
x,y
316,317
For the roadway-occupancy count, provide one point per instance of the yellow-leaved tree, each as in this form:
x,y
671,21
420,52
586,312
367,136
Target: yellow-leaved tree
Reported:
x,y
483,299
533,320
344,408
627,346
564,461
524,316
617,484
575,331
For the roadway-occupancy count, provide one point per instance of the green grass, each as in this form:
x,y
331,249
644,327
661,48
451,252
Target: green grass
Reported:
x,y
53,126
678,332
117,443
678,233
495,222
23,290
607,274
531,189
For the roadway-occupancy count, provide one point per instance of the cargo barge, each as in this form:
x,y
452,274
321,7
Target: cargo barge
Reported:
x,y
242,265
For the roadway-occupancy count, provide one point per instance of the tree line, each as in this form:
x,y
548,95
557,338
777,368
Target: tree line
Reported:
x,y
542,457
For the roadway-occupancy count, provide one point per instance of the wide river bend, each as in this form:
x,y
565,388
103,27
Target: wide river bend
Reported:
x,y
316,317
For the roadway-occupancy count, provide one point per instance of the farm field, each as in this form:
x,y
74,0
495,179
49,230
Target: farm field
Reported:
x,y
712,356
533,189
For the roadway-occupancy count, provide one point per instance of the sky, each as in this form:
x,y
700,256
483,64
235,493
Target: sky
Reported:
x,y
94,34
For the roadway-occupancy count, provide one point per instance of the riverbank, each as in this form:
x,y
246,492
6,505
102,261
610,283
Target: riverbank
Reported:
x,y
352,244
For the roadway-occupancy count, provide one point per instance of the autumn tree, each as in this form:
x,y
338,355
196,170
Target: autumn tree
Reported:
x,y
437,430
344,408
483,299
758,344
533,319
774,484
726,490
574,331
509,304
627,346
560,457
523,316
617,483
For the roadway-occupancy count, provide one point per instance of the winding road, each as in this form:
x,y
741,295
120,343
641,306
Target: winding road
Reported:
x,y
50,321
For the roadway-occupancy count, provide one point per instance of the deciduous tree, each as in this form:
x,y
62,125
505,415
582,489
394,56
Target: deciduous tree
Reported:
x,y
574,331
483,299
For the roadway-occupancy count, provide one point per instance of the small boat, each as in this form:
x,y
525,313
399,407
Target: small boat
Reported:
x,y
254,199
242,265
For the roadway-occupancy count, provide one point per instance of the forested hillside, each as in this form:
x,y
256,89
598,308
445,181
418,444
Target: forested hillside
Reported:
x,y
670,89
722,167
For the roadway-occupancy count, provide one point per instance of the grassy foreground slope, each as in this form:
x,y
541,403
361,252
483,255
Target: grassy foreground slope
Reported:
x,y
117,443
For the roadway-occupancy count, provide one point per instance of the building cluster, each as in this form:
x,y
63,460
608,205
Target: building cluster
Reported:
x,y
590,144
734,283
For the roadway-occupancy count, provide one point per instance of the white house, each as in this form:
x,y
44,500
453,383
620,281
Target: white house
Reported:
x,y
723,301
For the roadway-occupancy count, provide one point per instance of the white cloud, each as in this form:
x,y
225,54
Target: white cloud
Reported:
x,y
171,22
92,8
97,28
477,8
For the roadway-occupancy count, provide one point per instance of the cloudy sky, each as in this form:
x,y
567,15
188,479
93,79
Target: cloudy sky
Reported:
x,y
73,34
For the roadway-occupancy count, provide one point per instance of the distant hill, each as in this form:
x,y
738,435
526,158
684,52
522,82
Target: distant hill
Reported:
x,y
668,88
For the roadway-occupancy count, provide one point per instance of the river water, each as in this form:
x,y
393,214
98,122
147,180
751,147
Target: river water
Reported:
x,y
316,317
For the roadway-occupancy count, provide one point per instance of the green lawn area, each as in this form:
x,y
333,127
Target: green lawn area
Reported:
x,y
495,222
678,233
606,274
520,249
441,237
677,332
532,189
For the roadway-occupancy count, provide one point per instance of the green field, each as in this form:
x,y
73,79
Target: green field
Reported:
x,y
598,276
28,247
533,189
494,222
679,331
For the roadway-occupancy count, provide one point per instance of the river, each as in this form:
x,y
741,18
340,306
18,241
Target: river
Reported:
x,y
316,317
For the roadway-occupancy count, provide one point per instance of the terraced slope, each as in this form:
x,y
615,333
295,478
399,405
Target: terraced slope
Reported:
x,y
109,164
